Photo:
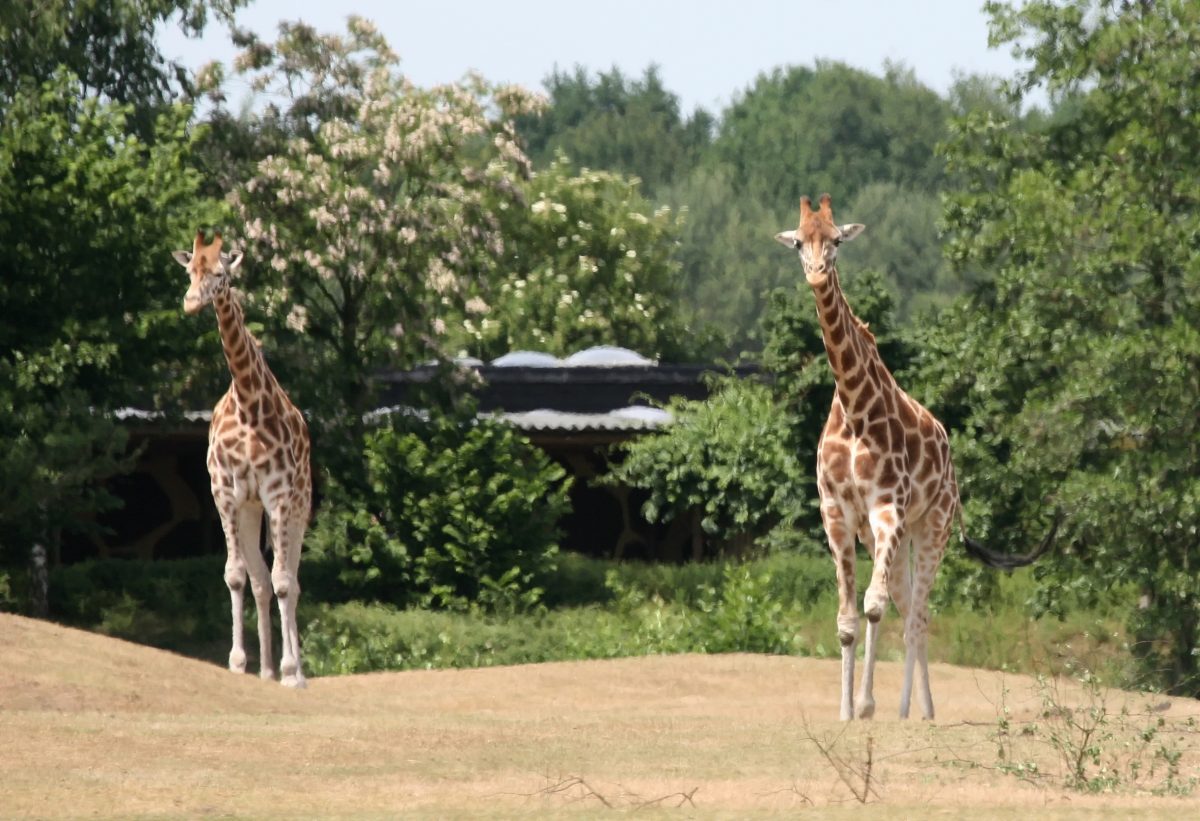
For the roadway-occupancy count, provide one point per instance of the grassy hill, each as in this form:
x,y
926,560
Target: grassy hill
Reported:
x,y
100,727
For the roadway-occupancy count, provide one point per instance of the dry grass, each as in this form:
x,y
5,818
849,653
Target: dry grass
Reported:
x,y
91,726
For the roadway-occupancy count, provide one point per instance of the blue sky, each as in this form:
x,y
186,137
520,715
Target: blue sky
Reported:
x,y
707,51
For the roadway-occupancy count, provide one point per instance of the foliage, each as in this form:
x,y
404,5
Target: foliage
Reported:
x,y
382,206
728,261
697,608
586,261
631,126
1072,375
903,245
1096,749
458,513
801,130
90,322
798,131
784,602
180,605
57,450
725,458
107,47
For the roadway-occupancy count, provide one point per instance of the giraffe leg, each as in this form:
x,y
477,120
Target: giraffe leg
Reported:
x,y
298,524
928,548
866,687
285,579
841,545
249,531
235,580
900,589
887,535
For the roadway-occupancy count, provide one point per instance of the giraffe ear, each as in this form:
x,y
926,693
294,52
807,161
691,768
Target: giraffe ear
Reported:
x,y
850,230
787,238
231,261
182,257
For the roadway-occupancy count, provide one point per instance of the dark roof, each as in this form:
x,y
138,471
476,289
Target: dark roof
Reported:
x,y
605,389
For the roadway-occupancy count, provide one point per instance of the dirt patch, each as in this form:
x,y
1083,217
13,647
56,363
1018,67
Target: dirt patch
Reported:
x,y
95,726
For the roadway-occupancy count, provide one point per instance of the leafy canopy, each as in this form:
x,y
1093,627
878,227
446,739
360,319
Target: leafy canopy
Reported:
x,y
1072,375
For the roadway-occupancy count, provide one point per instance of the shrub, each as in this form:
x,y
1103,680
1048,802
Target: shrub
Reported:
x,y
180,605
696,608
457,512
726,457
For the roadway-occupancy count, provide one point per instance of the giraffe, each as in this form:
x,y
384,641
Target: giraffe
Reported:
x,y
258,461
884,475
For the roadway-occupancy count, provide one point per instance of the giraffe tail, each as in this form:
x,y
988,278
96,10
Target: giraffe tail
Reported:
x,y
1006,561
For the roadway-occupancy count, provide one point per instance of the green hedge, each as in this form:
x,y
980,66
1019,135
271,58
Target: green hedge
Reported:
x,y
180,605
595,609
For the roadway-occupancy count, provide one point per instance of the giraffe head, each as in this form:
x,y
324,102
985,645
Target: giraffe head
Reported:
x,y
208,269
817,238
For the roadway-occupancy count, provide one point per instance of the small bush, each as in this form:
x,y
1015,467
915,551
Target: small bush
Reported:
x,y
1091,747
180,605
458,513
727,457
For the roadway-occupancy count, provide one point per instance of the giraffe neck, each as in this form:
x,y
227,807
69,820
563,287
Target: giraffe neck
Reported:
x,y
246,364
857,367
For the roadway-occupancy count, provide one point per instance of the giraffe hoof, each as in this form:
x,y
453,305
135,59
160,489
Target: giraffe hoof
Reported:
x,y
296,682
237,662
866,709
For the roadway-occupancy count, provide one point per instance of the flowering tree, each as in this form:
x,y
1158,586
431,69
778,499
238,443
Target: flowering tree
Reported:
x,y
586,261
370,226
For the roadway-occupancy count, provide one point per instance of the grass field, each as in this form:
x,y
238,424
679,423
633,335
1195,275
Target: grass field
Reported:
x,y
96,727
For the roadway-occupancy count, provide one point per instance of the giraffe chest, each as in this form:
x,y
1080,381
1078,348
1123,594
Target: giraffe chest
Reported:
x,y
247,463
242,466
872,460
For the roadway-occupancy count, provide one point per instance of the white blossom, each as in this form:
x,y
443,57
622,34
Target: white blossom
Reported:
x,y
297,318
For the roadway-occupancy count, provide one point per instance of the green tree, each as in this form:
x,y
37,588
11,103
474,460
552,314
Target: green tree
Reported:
x,y
725,460
728,263
632,126
92,321
107,46
801,131
586,261
367,231
1072,374
831,128
905,246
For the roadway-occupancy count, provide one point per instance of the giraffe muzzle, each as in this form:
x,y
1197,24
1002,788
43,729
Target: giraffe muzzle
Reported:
x,y
192,303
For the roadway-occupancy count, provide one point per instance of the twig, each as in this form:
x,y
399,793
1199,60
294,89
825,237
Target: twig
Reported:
x,y
849,774
576,789
684,798
794,790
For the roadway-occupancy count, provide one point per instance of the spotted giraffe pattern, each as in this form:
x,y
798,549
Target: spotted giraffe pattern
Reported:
x,y
258,461
884,475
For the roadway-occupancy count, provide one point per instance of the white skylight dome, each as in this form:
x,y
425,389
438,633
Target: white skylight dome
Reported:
x,y
527,359
606,356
